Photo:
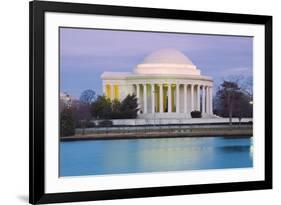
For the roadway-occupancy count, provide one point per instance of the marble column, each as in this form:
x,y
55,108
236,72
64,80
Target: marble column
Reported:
x,y
192,97
198,97
211,100
207,99
185,97
112,92
138,91
169,98
104,89
152,98
177,98
138,95
161,97
203,99
144,98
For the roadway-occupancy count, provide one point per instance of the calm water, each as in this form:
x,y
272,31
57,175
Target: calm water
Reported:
x,y
96,157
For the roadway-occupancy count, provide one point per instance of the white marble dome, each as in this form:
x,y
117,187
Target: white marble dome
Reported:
x,y
167,56
167,62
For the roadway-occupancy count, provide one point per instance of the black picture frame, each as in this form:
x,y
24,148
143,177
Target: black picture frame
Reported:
x,y
37,194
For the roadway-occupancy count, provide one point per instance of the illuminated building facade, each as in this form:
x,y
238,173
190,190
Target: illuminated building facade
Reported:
x,y
167,85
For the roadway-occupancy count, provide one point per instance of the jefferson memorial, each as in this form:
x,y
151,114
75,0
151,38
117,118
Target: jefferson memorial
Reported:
x,y
167,85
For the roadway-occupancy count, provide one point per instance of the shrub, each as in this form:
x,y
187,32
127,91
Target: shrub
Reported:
x,y
250,122
105,123
196,114
115,109
101,108
129,107
104,108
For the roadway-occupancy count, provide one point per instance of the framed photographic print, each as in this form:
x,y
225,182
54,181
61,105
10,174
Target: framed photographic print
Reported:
x,y
140,102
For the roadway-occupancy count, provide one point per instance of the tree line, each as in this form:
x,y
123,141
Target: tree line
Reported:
x,y
79,113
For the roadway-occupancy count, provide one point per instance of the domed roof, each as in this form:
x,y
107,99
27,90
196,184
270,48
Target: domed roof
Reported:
x,y
167,56
167,62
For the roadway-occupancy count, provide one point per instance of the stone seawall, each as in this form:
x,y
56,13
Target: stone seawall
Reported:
x,y
195,130
170,121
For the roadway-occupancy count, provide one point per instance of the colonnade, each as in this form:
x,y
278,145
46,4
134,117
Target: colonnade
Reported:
x,y
167,97
200,97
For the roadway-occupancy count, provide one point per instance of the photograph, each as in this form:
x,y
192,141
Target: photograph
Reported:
x,y
151,102
131,102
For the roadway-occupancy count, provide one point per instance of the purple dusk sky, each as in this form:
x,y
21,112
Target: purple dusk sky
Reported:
x,y
86,53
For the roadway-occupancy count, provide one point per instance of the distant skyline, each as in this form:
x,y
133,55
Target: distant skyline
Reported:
x,y
86,53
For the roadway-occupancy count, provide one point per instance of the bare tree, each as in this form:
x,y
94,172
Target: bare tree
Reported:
x,y
82,108
88,96
232,101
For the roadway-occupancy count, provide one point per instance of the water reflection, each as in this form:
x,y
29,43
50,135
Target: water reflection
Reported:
x,y
149,155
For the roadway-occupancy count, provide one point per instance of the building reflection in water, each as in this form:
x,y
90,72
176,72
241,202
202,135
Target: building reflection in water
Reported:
x,y
154,155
